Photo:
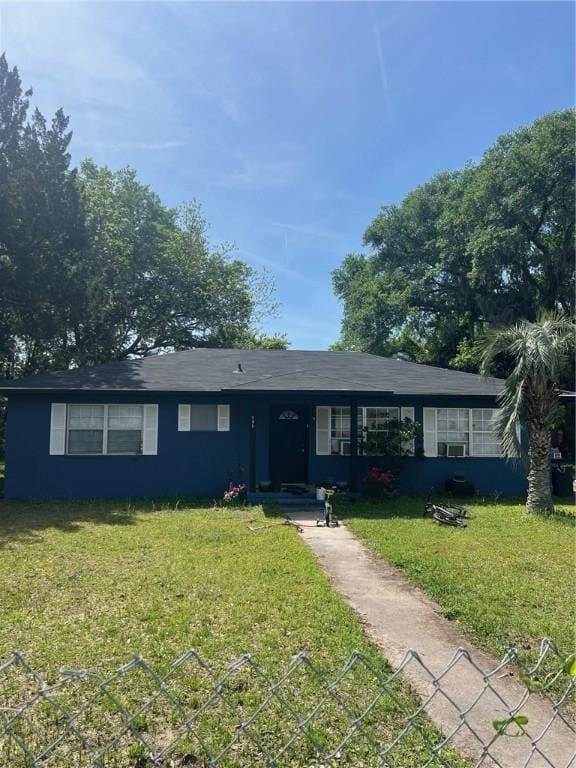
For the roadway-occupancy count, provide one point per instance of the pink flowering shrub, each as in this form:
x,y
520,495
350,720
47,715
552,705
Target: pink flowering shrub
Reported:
x,y
380,483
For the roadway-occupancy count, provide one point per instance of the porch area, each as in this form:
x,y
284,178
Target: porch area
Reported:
x,y
295,496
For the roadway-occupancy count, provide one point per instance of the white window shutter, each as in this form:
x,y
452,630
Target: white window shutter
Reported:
x,y
183,418
430,439
150,431
223,418
58,429
322,431
408,445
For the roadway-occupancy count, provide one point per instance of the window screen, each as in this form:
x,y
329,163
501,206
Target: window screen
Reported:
x,y
204,418
453,425
484,440
125,424
105,429
85,428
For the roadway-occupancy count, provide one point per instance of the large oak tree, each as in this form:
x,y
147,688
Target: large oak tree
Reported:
x,y
468,250
93,267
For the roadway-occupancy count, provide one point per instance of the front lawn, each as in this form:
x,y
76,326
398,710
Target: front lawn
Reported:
x,y
88,585
507,579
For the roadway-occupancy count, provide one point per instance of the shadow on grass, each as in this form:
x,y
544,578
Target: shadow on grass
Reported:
x,y
273,510
23,521
378,509
412,507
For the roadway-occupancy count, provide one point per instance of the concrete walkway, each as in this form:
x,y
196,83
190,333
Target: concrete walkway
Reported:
x,y
398,617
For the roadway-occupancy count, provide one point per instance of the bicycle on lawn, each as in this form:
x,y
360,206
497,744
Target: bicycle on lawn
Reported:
x,y
449,514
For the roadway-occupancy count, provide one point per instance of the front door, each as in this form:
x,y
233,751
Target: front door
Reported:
x,y
289,444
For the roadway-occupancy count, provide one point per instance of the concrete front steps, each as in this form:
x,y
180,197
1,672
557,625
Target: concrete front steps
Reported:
x,y
285,500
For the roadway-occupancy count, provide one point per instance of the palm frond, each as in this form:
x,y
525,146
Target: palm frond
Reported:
x,y
509,418
539,353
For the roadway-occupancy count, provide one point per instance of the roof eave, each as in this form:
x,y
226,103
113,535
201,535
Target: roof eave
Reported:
x,y
237,391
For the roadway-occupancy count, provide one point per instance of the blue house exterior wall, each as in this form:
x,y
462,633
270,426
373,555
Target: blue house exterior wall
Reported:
x,y
187,463
203,463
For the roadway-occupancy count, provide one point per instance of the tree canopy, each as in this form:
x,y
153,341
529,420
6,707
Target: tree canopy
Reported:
x,y
470,249
93,267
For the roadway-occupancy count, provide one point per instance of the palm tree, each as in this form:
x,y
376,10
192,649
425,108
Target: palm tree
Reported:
x,y
538,351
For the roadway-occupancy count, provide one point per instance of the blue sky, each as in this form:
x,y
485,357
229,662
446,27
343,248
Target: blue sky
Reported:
x,y
292,123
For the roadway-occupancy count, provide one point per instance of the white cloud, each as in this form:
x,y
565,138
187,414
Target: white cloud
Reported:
x,y
381,63
67,41
86,58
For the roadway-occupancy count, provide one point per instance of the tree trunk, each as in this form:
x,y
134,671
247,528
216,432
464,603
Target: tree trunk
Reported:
x,y
539,479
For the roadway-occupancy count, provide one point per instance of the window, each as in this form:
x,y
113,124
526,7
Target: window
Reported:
x,y
103,429
377,419
339,431
203,418
485,441
458,432
333,427
453,431
85,429
125,424
333,431
374,423
373,426
288,416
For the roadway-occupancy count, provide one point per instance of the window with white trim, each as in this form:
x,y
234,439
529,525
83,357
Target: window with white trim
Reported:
x,y
375,421
203,418
485,441
85,429
340,431
453,431
104,429
459,432
333,430
379,421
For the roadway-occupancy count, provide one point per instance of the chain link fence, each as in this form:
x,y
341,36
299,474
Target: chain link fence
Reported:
x,y
194,715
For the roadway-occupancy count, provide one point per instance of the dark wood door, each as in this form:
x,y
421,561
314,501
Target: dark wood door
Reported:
x,y
289,444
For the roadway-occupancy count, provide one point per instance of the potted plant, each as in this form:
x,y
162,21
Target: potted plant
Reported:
x,y
458,485
236,494
563,479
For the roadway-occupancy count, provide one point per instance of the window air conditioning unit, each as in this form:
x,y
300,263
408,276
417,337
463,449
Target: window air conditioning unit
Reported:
x,y
456,449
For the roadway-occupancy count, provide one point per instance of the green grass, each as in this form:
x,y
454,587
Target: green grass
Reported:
x,y
506,580
88,585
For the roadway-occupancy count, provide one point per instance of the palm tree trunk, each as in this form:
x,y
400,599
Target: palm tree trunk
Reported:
x,y
539,480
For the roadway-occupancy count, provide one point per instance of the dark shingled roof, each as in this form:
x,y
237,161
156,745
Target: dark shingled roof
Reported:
x,y
213,370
